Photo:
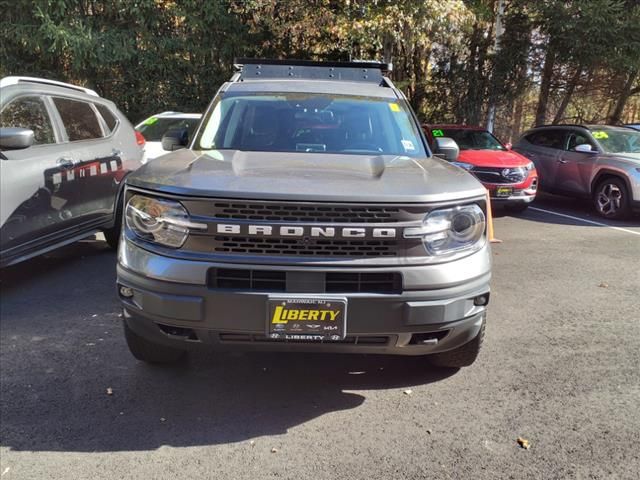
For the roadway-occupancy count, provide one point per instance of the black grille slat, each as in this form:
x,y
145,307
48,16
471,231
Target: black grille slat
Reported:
x,y
276,281
324,247
306,213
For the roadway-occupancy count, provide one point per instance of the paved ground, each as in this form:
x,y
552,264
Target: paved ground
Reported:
x,y
561,368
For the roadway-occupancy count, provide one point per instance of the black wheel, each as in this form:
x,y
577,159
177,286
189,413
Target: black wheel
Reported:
x,y
611,198
462,356
516,207
150,352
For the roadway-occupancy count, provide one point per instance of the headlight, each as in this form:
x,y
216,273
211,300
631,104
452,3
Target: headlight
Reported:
x,y
161,221
529,166
451,230
466,166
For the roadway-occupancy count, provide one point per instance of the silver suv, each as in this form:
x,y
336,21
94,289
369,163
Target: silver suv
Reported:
x,y
306,214
64,153
600,162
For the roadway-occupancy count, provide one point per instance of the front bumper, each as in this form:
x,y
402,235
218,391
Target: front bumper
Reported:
x,y
437,310
522,193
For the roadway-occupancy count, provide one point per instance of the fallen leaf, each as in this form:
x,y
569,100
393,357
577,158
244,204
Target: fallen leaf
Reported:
x,y
162,419
604,285
524,443
109,391
274,450
252,442
428,432
408,392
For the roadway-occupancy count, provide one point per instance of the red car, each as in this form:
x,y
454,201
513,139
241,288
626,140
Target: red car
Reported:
x,y
511,178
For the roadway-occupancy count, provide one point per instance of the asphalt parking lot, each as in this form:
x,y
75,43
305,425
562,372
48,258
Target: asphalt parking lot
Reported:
x,y
560,368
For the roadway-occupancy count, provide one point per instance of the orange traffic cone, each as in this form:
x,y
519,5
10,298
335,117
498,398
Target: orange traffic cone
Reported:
x,y
492,239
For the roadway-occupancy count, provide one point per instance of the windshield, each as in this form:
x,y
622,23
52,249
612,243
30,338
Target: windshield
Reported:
x,y
618,141
302,122
155,127
470,139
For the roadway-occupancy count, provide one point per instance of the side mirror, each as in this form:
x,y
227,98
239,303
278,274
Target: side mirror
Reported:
x,y
15,138
584,148
175,139
508,145
447,148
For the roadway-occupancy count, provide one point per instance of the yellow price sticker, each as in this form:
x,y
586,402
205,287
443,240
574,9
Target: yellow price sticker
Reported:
x,y
394,107
600,135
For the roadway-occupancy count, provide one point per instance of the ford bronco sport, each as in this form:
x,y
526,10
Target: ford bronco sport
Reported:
x,y
306,214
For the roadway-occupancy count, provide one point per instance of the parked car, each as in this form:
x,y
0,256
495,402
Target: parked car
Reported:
x,y
154,127
64,153
599,162
307,215
511,179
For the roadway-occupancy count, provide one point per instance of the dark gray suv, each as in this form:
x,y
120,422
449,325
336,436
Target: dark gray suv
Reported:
x,y
307,214
64,152
599,162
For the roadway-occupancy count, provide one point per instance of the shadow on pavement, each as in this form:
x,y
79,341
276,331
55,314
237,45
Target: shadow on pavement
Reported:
x,y
576,207
62,347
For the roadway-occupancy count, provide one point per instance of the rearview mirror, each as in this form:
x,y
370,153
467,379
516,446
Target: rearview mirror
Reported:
x,y
15,138
584,148
446,148
175,139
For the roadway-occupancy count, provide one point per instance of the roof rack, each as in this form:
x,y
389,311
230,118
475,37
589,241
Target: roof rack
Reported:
x,y
561,125
16,80
249,69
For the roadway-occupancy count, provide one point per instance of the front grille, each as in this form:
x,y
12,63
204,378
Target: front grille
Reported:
x,y
362,340
287,212
494,175
333,282
308,247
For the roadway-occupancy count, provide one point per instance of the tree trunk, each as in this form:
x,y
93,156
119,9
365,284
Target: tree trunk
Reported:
x,y
571,86
545,86
616,116
517,118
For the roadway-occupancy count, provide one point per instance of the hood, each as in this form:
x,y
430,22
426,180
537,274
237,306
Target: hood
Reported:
x,y
493,158
306,176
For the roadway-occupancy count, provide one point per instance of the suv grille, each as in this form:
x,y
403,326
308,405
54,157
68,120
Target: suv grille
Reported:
x,y
494,175
305,213
317,247
334,282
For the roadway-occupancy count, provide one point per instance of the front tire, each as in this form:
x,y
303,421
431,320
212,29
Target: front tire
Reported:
x,y
611,198
462,356
150,352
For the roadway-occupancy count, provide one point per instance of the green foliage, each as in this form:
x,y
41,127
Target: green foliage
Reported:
x,y
155,55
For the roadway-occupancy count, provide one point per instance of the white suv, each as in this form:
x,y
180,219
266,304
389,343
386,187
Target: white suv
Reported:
x,y
154,127
64,153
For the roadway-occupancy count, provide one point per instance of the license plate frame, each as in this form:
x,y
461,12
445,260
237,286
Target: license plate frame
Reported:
x,y
283,322
504,191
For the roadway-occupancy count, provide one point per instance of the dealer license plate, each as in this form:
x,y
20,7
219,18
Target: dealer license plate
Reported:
x,y
504,191
293,318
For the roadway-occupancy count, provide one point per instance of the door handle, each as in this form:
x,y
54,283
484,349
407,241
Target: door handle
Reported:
x,y
65,162
560,160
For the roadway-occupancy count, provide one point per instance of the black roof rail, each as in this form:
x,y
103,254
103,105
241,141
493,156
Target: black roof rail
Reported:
x,y
258,69
562,125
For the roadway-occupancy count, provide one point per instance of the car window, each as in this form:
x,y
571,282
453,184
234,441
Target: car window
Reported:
x,y
618,140
470,139
109,118
577,138
547,138
155,127
29,112
78,119
309,122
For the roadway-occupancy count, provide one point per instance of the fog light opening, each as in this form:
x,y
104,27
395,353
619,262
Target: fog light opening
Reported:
x,y
481,300
126,292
